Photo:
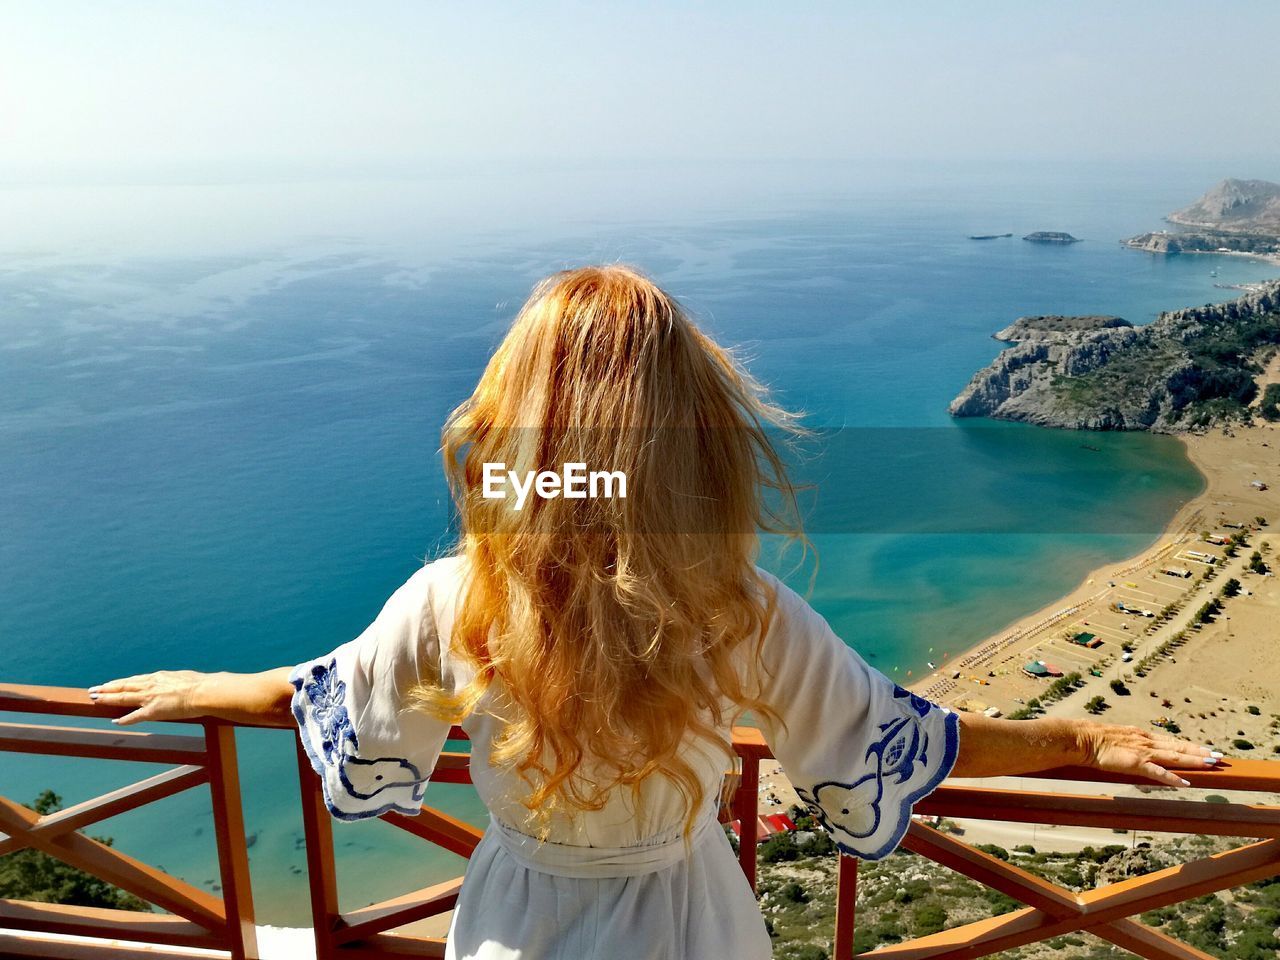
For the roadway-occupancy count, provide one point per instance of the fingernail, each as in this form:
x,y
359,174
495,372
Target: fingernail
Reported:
x,y
1216,755
93,696
1211,761
1185,783
95,688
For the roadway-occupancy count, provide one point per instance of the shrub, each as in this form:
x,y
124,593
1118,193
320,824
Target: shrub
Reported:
x,y
793,892
819,845
808,951
1253,710
1096,705
1269,406
779,848
1241,744
929,918
1118,688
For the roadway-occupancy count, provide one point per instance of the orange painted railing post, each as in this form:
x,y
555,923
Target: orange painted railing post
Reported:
x,y
746,805
233,851
846,904
317,829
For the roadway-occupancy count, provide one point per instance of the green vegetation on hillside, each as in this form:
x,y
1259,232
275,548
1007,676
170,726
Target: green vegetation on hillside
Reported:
x,y
1207,369
905,896
1269,406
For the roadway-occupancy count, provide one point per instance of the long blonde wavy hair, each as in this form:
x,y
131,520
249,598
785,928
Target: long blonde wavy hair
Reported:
x,y
614,627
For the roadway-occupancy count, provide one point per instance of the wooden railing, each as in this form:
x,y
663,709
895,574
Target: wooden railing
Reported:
x,y
196,918
1051,910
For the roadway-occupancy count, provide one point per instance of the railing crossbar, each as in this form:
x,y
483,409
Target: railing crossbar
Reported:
x,y
115,867
76,920
1150,815
111,804
1105,911
389,914
101,744
439,828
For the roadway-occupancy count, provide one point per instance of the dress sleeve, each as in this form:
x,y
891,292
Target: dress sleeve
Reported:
x,y
372,751
859,749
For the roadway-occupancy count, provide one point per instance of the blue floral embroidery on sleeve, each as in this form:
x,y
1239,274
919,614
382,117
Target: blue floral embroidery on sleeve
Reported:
x,y
919,704
361,779
326,693
854,809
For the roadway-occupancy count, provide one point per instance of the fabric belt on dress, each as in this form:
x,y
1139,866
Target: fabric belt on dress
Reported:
x,y
571,860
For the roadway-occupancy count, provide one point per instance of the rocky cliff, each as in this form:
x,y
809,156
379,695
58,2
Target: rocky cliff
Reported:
x,y
1186,369
1240,216
1250,206
1055,327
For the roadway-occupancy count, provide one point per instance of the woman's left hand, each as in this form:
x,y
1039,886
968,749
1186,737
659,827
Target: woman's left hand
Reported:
x,y
165,695
1139,752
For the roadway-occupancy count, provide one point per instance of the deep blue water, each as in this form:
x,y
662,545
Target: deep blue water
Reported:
x,y
221,409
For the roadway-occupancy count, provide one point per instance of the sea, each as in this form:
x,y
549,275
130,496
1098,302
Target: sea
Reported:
x,y
222,400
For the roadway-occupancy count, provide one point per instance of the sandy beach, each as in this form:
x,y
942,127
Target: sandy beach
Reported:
x,y
1218,670
1213,682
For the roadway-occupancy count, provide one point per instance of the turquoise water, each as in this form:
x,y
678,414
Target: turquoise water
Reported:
x,y
217,437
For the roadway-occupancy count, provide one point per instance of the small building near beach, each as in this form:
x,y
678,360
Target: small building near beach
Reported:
x,y
1086,640
1176,572
1038,668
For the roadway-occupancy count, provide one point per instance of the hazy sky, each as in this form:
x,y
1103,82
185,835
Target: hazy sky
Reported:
x,y
167,87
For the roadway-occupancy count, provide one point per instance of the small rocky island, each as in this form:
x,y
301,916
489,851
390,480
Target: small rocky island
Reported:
x,y
1236,216
1051,236
1187,369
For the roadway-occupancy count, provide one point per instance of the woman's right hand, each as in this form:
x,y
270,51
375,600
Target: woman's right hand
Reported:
x,y
164,695
1133,750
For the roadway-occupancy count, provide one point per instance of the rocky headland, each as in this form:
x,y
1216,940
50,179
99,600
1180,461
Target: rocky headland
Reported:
x,y
1235,206
1055,327
1187,369
1236,216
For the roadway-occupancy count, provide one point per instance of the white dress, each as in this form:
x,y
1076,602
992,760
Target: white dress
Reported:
x,y
617,883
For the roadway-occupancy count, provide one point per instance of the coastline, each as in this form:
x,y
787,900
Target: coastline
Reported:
x,y
1206,684
991,672
1273,258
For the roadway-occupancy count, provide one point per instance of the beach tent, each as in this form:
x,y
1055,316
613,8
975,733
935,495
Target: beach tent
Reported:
x,y
1086,640
1036,668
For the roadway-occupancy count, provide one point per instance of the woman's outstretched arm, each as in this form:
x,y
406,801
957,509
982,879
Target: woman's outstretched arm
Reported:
x,y
992,748
183,694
